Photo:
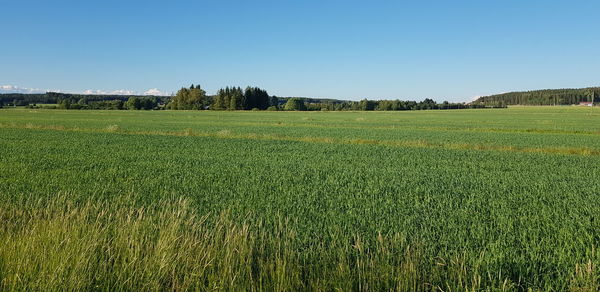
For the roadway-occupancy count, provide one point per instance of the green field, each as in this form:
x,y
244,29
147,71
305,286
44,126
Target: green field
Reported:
x,y
449,200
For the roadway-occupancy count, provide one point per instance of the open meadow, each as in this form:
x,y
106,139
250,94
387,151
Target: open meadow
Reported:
x,y
477,199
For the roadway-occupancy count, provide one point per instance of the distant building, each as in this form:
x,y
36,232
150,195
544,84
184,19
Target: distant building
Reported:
x,y
586,103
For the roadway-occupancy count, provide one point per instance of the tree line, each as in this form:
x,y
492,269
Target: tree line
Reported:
x,y
542,97
228,98
254,98
82,101
379,105
132,103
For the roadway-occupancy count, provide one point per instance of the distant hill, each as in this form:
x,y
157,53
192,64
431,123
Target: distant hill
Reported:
x,y
565,96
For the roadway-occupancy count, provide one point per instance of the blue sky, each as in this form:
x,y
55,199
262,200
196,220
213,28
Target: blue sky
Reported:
x,y
445,50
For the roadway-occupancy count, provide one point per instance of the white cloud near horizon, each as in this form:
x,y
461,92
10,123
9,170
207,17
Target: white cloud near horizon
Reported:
x,y
154,91
18,89
114,92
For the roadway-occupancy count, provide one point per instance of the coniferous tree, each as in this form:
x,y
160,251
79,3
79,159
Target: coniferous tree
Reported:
x,y
273,101
218,101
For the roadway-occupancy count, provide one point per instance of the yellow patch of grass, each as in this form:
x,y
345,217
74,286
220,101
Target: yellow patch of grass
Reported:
x,y
112,128
224,133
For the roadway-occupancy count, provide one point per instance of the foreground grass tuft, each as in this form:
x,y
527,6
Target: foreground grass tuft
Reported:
x,y
116,245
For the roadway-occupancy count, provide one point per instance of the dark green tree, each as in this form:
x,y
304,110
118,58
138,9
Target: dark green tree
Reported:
x,y
231,98
255,97
133,103
118,105
148,103
64,104
273,101
367,105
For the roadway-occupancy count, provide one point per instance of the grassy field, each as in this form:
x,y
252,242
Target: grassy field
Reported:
x,y
493,199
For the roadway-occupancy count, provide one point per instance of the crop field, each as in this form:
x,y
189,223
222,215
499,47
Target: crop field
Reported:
x,y
452,200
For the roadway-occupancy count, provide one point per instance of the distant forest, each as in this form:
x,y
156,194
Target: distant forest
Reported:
x,y
542,97
81,101
228,98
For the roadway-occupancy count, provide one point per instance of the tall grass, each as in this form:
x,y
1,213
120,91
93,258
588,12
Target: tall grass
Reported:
x,y
58,243
113,245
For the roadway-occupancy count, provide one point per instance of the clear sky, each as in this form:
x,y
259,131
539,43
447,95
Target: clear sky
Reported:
x,y
445,50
